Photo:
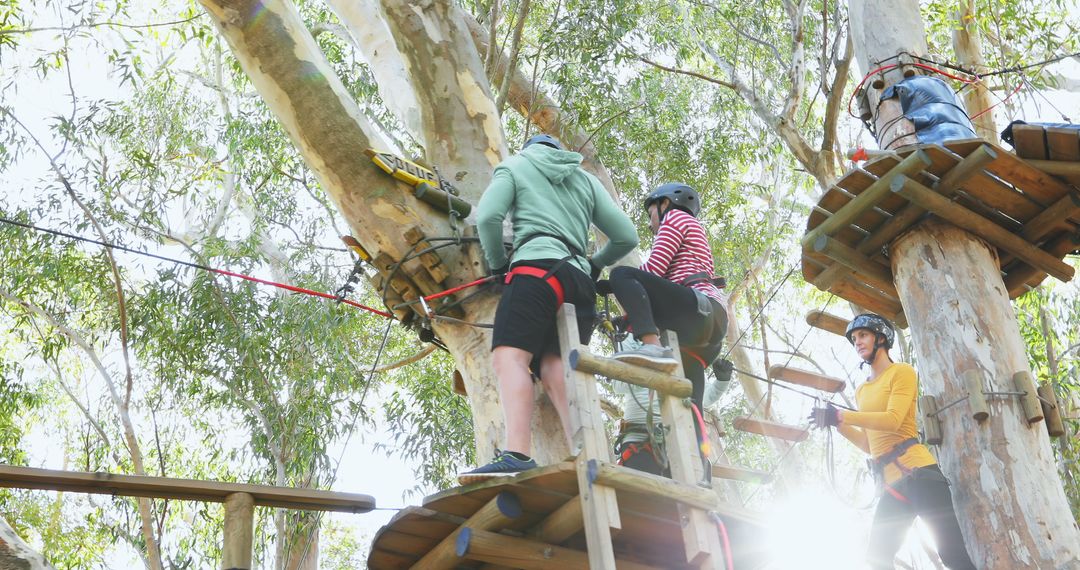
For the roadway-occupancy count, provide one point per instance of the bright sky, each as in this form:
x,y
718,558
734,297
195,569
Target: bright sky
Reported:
x,y
818,526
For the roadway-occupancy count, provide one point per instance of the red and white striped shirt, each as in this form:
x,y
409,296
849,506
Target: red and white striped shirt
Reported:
x,y
680,250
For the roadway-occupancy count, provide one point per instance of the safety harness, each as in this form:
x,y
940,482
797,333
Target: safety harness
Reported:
x,y
548,276
892,456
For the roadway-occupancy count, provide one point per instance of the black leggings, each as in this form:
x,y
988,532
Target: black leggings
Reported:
x,y
652,302
928,497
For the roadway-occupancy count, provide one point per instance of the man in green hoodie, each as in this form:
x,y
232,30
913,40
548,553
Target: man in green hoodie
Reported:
x,y
553,203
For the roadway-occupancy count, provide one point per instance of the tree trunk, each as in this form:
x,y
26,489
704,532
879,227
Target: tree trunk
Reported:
x,y
1007,492
293,78
881,31
968,48
14,553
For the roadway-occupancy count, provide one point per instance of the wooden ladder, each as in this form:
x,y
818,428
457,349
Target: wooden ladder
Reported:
x,y
599,479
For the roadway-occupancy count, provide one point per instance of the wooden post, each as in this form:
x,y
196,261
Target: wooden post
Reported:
x,y
239,525
598,504
700,538
931,424
1051,410
973,381
1029,401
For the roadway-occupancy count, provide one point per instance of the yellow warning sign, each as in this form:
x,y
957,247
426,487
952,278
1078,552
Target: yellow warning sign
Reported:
x,y
408,171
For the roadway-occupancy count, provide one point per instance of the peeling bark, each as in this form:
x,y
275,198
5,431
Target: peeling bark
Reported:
x,y
1011,504
462,130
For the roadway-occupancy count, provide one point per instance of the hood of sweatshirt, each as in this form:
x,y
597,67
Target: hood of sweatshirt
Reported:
x,y
553,163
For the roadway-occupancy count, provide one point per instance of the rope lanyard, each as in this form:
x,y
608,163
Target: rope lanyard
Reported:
x,y
285,286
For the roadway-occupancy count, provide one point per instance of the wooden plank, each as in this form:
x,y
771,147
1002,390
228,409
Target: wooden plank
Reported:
x,y
805,378
1050,220
495,515
771,429
867,199
827,321
980,226
870,299
514,552
182,489
864,269
598,503
700,540
585,361
1063,144
1029,141
741,474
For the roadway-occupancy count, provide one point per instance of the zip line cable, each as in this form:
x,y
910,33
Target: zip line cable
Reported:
x,y
285,286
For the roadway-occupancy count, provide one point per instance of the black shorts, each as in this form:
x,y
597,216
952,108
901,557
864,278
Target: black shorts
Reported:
x,y
525,317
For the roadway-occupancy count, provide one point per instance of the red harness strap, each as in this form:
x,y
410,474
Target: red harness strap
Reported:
x,y
542,274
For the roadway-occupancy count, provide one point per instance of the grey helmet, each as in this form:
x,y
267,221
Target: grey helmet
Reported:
x,y
875,324
681,196
546,140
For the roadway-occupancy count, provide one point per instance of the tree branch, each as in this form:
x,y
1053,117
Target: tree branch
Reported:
x,y
515,48
701,76
406,361
13,31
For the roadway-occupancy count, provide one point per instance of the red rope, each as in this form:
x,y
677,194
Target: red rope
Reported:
x,y
988,109
461,287
296,289
730,565
706,447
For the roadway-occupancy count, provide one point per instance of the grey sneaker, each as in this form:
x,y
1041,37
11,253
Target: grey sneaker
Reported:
x,y
650,356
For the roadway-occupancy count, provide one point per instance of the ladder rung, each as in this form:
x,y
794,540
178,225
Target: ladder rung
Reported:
x,y
805,378
771,429
586,361
740,474
827,321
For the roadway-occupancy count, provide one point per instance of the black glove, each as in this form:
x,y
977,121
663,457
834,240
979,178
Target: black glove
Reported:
x,y
594,270
829,416
722,369
620,323
500,270
603,287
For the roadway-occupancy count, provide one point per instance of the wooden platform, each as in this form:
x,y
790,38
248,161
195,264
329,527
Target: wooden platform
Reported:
x,y
182,489
1032,218
548,531
806,378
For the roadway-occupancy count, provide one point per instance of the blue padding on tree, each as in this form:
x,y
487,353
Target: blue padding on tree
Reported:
x,y
931,105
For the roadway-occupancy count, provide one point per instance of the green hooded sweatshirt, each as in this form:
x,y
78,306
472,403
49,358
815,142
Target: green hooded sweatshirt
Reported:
x,y
549,193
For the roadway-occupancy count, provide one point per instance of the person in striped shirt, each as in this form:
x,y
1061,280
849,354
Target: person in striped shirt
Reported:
x,y
673,289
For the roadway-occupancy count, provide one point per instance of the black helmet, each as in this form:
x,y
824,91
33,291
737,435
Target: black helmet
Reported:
x,y
681,196
546,140
875,324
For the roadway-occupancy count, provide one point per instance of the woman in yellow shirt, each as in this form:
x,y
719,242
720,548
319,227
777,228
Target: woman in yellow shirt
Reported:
x,y
884,426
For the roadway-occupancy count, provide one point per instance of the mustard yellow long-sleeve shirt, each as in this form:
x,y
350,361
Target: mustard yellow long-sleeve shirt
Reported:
x,y
886,417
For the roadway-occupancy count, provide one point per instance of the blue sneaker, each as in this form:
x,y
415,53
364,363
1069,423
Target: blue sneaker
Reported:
x,y
504,465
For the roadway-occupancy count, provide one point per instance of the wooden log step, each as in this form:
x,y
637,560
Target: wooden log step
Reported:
x,y
638,375
805,378
771,429
827,322
740,474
